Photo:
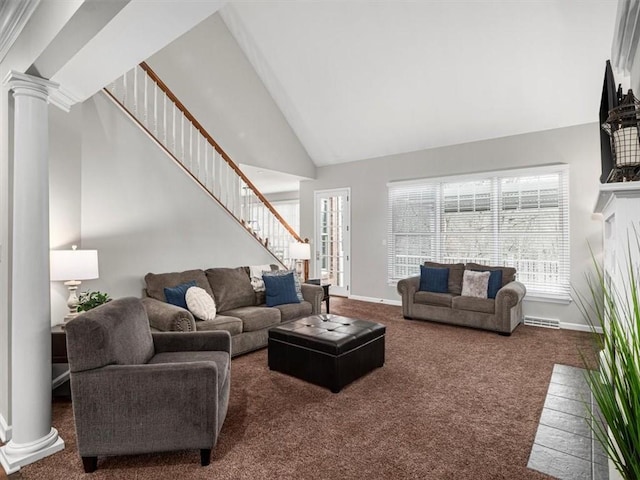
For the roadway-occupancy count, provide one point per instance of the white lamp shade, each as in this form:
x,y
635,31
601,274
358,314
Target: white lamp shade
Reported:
x,y
300,251
73,265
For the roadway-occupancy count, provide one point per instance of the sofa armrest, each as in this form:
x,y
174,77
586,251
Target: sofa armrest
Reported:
x,y
167,317
509,306
407,287
104,394
314,295
218,340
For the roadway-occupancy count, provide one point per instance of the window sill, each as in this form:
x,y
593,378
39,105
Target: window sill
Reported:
x,y
540,297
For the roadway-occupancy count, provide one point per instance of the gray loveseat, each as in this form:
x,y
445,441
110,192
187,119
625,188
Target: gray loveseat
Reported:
x,y
502,314
240,310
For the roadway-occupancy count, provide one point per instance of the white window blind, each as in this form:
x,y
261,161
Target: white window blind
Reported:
x,y
517,218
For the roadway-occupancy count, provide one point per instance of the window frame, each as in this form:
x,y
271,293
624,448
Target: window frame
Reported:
x,y
559,291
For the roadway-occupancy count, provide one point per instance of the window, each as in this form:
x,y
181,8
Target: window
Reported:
x,y
517,218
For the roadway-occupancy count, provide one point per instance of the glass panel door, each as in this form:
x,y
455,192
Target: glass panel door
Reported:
x,y
332,239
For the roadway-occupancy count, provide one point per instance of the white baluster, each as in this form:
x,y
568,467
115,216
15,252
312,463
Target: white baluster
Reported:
x,y
173,128
124,84
181,158
164,117
145,95
191,147
155,109
135,92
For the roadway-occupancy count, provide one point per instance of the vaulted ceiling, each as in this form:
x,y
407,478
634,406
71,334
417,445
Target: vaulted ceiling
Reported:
x,y
363,79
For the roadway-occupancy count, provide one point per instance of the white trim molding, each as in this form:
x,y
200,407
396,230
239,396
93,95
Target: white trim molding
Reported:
x,y
579,327
625,36
384,301
14,15
61,98
5,430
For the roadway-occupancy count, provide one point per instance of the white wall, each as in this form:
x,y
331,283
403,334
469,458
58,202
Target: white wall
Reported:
x,y
577,146
143,213
210,74
65,151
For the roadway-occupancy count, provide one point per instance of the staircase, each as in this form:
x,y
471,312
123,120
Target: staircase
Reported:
x,y
152,106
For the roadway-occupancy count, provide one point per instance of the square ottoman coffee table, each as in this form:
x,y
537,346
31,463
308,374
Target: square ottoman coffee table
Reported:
x,y
327,350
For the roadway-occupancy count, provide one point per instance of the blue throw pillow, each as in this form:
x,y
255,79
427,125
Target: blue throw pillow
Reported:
x,y
175,295
434,280
280,289
495,283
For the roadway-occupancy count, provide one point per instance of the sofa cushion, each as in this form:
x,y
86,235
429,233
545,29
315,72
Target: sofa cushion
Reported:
x,y
434,279
291,311
156,282
255,318
473,304
232,325
178,295
430,298
456,270
475,284
200,303
280,289
231,288
508,273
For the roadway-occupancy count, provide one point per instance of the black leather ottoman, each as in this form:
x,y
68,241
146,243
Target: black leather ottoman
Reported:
x,y
328,350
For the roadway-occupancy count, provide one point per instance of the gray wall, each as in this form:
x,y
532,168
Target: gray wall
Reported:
x,y
209,73
577,146
143,213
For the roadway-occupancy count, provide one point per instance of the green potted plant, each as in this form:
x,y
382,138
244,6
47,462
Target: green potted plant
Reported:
x,y
615,386
89,300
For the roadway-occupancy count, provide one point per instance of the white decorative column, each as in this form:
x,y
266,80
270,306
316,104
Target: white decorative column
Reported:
x,y
30,311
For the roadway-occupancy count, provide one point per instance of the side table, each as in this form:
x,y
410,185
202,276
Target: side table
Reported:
x,y
59,362
325,287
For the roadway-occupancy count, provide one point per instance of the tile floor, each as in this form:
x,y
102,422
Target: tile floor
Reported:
x,y
564,446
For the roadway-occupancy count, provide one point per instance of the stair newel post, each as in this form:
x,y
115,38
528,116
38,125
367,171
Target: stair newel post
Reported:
x,y
306,262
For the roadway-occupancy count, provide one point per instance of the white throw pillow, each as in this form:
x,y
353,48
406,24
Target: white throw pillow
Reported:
x,y
474,284
255,272
200,303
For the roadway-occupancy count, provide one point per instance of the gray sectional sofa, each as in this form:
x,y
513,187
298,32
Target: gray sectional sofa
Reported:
x,y
240,310
502,314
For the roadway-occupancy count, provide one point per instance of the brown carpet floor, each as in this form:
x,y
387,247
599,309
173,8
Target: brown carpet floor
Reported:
x,y
449,403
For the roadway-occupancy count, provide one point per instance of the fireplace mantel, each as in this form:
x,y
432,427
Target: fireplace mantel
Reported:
x,y
609,191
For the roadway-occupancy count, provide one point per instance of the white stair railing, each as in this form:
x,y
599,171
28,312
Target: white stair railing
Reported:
x,y
159,113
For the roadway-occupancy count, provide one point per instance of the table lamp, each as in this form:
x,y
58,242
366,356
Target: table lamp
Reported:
x,y
71,266
301,251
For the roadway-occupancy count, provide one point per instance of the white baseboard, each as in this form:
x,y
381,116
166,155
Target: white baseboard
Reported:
x,y
579,327
397,303
5,430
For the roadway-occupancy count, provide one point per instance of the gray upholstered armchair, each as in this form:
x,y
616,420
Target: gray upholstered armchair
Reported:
x,y
134,391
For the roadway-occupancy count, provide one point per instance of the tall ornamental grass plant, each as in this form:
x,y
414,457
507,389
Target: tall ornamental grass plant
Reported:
x,y
615,386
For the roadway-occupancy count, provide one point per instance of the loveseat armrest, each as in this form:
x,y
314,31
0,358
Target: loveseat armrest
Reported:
x,y
314,295
167,317
219,340
509,306
407,288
